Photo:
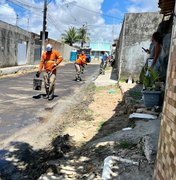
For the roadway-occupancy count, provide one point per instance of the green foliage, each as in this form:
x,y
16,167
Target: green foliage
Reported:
x,y
149,81
82,34
126,144
136,94
70,36
73,35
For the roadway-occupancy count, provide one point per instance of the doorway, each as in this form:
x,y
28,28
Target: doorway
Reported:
x,y
22,53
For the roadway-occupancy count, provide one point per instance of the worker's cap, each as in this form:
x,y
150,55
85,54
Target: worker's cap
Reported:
x,y
49,47
82,52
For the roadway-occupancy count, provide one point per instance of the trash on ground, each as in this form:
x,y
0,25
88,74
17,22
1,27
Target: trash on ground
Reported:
x,y
111,91
109,163
142,116
126,129
146,111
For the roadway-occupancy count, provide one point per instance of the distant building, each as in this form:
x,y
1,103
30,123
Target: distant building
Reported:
x,y
97,47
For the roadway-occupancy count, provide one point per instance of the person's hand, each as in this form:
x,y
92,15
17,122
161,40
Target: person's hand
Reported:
x,y
147,51
54,66
38,74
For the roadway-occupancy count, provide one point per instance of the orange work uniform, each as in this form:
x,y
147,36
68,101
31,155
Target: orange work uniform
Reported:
x,y
50,60
81,59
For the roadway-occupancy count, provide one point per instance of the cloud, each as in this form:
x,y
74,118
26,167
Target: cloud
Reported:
x,y
143,6
6,13
66,13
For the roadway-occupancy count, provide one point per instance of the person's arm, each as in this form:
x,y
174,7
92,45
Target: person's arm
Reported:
x,y
59,58
84,59
40,66
157,52
41,63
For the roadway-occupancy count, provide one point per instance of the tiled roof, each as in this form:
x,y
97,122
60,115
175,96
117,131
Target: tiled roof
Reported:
x,y
166,6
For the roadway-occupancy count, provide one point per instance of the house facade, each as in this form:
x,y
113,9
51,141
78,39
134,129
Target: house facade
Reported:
x,y
136,32
20,47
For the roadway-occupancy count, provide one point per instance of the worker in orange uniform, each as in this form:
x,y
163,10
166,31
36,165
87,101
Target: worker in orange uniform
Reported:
x,y
80,62
49,61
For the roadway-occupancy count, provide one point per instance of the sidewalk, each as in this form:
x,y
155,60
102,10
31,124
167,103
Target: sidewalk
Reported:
x,y
16,69
109,78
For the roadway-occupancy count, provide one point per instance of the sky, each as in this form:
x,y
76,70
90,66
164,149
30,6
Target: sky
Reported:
x,y
102,18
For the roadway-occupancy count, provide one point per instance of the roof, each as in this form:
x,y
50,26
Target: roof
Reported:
x,y
166,6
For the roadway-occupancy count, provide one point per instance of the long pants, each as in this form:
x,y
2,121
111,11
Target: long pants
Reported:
x,y
78,70
49,81
103,65
82,68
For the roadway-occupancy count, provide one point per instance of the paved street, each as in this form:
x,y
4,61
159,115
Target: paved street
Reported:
x,y
20,104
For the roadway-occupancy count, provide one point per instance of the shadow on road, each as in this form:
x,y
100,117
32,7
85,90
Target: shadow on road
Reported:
x,y
23,162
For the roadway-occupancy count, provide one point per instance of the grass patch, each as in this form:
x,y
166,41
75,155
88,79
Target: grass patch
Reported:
x,y
122,80
106,88
91,87
135,94
100,125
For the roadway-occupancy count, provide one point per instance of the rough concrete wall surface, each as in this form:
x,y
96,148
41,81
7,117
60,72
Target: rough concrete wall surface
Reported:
x,y
165,168
67,51
64,49
138,31
10,37
118,52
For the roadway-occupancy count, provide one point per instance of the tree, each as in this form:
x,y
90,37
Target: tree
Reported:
x,y
70,36
82,34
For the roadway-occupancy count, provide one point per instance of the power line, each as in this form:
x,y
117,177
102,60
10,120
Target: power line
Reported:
x,y
23,4
96,12
49,2
70,13
53,22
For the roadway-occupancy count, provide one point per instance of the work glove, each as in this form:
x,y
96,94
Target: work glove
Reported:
x,y
38,74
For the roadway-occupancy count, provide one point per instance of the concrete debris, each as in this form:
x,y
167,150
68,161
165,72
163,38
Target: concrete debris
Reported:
x,y
148,147
144,110
142,116
109,165
126,129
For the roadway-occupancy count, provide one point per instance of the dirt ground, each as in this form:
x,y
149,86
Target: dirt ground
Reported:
x,y
71,154
96,115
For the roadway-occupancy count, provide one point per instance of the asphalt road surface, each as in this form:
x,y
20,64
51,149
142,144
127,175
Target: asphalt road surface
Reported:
x,y
19,103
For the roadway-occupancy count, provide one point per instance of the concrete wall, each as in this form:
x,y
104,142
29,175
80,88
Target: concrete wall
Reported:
x,y
64,49
136,33
10,36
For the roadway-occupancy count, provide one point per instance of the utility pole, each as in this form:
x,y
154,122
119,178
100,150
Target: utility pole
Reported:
x,y
17,18
28,24
44,26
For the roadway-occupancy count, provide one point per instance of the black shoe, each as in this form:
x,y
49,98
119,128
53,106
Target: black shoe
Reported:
x,y
51,97
79,79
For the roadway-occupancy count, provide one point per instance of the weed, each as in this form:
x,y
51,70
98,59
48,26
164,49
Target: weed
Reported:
x,y
100,125
91,87
122,80
135,94
126,144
